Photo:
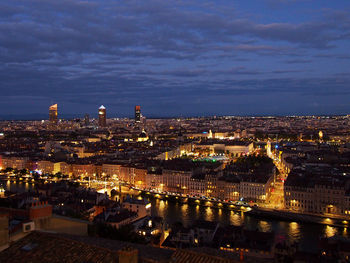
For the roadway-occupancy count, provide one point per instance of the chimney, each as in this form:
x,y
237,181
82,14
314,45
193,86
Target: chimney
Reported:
x,y
128,255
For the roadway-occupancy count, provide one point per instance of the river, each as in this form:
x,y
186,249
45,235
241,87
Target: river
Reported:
x,y
307,234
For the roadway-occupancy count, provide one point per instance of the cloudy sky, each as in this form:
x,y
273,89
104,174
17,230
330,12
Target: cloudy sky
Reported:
x,y
175,58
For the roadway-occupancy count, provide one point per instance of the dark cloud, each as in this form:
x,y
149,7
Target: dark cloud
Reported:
x,y
297,61
281,71
334,56
123,52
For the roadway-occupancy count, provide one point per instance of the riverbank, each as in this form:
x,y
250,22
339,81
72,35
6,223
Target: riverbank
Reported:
x,y
259,212
331,220
254,211
178,209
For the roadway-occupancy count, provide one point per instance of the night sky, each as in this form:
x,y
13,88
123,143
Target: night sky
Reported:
x,y
175,58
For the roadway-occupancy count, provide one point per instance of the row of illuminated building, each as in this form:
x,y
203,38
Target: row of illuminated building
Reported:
x,y
318,190
174,176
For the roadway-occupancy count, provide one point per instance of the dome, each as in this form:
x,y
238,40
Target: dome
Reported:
x,y
143,134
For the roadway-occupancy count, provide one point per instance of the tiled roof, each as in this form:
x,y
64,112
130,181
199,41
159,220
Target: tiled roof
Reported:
x,y
50,247
187,256
44,247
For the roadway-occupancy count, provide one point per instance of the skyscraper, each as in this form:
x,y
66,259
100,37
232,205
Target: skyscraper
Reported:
x,y
87,120
137,113
102,116
53,114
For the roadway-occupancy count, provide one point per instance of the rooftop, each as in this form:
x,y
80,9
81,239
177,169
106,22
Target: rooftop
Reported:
x,y
50,247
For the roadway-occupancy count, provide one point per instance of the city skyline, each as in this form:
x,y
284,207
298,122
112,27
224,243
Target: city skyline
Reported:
x,y
188,58
172,131
131,115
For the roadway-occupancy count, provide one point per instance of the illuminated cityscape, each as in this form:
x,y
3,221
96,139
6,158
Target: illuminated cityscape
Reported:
x,y
227,137
222,170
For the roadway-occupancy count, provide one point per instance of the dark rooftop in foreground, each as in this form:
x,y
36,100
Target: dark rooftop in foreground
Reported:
x,y
49,247
53,247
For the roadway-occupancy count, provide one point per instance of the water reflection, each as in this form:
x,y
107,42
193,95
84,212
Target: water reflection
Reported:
x,y
184,208
208,214
184,211
17,186
264,226
330,231
235,219
294,230
161,207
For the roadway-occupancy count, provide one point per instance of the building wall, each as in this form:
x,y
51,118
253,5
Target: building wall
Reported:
x,y
45,166
178,181
40,210
68,225
15,162
111,169
212,189
4,230
142,210
320,199
140,177
228,190
253,191
83,170
65,168
155,181
234,150
197,187
127,174
124,222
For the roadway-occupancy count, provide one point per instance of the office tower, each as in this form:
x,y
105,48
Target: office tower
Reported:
x,y
137,113
102,116
53,114
87,120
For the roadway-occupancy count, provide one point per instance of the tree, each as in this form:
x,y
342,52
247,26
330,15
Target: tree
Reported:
x,y
113,193
58,175
8,169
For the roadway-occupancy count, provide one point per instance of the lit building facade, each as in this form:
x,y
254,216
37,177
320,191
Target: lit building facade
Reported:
x,y
137,113
46,166
314,193
177,181
14,162
53,114
102,117
231,148
111,170
83,170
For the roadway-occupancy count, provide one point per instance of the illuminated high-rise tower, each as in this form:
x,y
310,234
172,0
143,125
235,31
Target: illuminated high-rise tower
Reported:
x,y
102,116
87,120
53,114
137,113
